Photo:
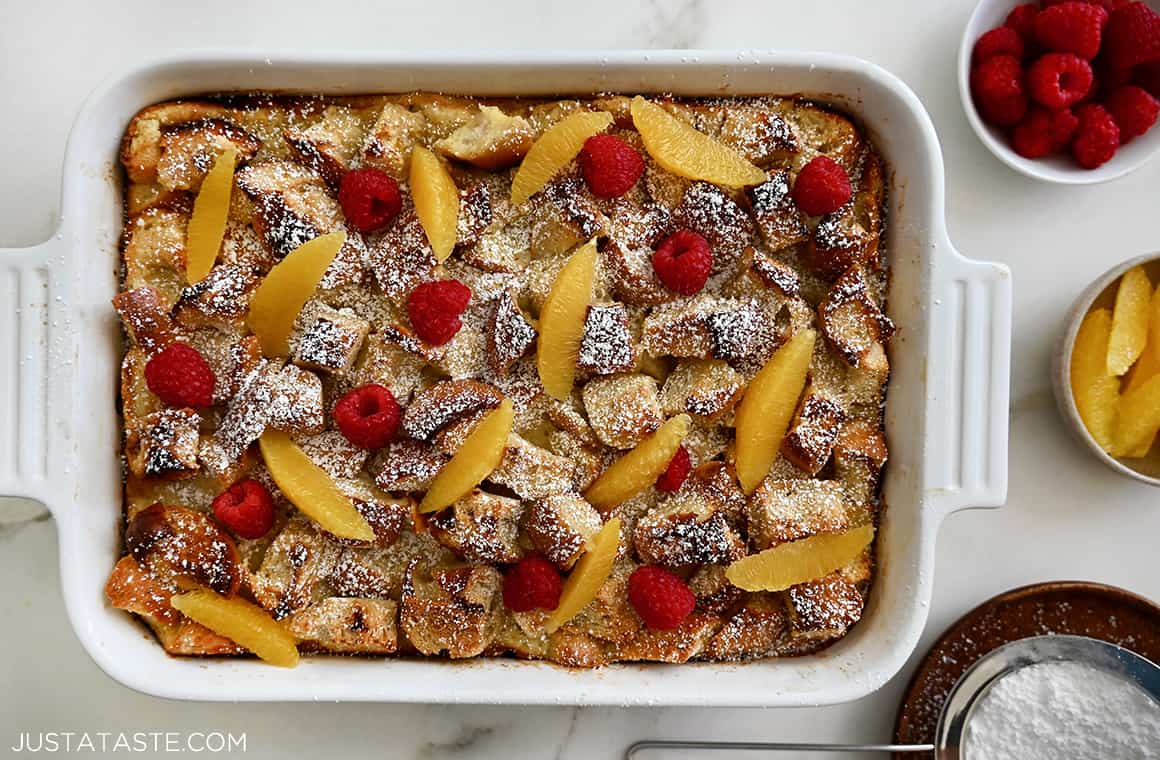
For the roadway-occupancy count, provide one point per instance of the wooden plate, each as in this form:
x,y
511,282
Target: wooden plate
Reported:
x,y
1071,607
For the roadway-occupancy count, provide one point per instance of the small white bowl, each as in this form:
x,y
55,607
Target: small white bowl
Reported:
x,y
1102,292
1058,168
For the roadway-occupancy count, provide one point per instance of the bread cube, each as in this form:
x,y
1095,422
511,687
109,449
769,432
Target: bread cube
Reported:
x,y
165,445
758,629
401,258
292,204
622,409
189,149
606,346
178,546
346,625
219,300
450,610
329,144
145,318
292,574
852,322
434,408
859,455
759,135
788,510
331,342
508,332
707,388
490,140
708,211
778,218
678,645
296,402
810,438
633,233
530,471
388,143
686,529
481,528
823,609
408,465
560,525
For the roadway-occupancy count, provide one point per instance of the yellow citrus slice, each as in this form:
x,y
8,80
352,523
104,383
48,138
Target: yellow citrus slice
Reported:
x,y
207,224
639,468
286,289
554,150
1096,392
1129,321
1146,367
481,452
1137,418
562,322
241,622
682,150
589,574
436,200
311,489
768,406
799,561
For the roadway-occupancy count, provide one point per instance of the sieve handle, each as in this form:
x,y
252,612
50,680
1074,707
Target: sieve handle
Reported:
x,y
650,744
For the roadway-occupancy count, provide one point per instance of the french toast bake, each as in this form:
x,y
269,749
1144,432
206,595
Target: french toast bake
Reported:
x,y
582,380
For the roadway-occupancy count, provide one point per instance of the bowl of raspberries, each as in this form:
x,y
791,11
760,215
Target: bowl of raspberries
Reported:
x,y
1066,91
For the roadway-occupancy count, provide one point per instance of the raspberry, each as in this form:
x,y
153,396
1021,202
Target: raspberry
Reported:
x,y
1001,41
610,165
370,198
661,598
1022,20
1059,80
1134,111
1063,126
1107,5
434,309
1132,36
674,475
822,187
368,416
1031,137
682,262
180,376
246,508
997,87
1147,76
533,583
1071,27
1097,138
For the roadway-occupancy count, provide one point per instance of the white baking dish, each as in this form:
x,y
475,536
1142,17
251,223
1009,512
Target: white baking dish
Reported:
x,y
946,408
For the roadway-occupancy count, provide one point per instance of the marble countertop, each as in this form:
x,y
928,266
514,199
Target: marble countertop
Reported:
x,y
1067,516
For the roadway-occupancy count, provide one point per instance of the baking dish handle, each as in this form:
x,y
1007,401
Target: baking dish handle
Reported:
x,y
28,326
968,383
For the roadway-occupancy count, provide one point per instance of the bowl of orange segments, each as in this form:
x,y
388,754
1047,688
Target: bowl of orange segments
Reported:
x,y
1107,372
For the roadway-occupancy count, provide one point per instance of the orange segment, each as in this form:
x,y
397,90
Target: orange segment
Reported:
x,y
639,468
1130,319
589,574
287,288
1096,392
1137,419
768,406
207,224
436,200
554,150
311,489
800,561
241,622
682,150
562,322
481,452
1147,366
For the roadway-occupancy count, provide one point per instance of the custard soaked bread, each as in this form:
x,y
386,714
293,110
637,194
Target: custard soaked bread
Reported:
x,y
581,380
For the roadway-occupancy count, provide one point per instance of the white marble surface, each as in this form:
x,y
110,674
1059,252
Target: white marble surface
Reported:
x,y
1067,516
